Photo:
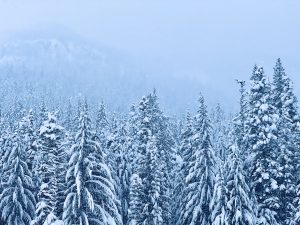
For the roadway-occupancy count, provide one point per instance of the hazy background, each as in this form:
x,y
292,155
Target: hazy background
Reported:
x,y
200,45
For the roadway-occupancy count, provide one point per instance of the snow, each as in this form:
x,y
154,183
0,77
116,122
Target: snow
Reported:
x,y
264,107
41,205
265,176
57,222
238,215
90,201
274,185
51,136
15,197
146,120
43,129
273,127
265,118
262,121
44,186
51,218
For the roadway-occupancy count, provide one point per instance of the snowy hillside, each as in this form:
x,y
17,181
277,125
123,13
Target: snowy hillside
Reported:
x,y
69,68
66,68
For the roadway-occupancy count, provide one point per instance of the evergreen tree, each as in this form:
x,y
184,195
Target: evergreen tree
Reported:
x,y
240,121
69,116
149,129
285,102
132,143
120,166
219,131
28,138
152,211
76,117
240,207
176,127
287,181
7,144
42,113
181,170
16,112
198,191
102,125
151,123
143,136
261,141
219,200
166,160
135,203
90,195
51,171
296,217
166,155
17,199
283,97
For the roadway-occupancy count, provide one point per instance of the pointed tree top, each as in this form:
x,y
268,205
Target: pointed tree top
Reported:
x,y
278,63
279,70
188,116
85,105
154,92
242,83
257,74
202,107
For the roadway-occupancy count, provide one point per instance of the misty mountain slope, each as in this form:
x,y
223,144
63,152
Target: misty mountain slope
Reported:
x,y
70,68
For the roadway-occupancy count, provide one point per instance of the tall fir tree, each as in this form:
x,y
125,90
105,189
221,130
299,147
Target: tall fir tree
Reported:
x,y
17,202
184,154
42,112
262,143
28,138
120,166
219,132
151,123
240,206
51,171
7,143
135,203
219,201
166,160
91,197
285,103
152,211
143,136
200,180
166,155
240,120
102,124
132,125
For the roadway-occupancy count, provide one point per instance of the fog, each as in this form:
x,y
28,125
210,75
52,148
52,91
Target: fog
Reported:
x,y
209,43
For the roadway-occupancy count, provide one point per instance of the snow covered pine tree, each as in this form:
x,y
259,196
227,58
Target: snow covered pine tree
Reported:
x,y
51,167
262,143
91,198
198,191
17,202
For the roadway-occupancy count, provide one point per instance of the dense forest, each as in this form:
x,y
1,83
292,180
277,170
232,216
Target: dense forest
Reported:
x,y
77,163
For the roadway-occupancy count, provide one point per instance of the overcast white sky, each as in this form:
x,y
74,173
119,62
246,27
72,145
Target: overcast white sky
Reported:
x,y
213,41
